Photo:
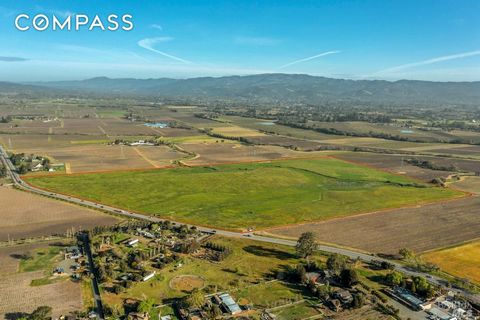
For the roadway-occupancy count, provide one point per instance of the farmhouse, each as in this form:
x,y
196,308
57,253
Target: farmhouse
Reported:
x,y
313,276
37,167
141,143
344,296
72,252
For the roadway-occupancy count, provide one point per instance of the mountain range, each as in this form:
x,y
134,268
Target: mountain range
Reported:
x,y
271,89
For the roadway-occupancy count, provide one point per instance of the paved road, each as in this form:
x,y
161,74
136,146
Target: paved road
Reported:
x,y
96,290
347,252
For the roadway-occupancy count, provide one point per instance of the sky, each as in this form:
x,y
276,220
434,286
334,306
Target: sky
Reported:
x,y
437,40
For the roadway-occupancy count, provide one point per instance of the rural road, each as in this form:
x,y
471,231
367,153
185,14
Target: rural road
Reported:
x,y
96,290
346,252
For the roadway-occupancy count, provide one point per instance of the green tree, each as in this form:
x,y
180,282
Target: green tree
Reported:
x,y
41,313
349,277
306,244
336,263
407,254
301,273
358,301
146,305
196,299
394,278
23,168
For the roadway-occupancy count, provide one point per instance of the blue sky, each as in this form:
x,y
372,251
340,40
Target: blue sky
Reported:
x,y
427,40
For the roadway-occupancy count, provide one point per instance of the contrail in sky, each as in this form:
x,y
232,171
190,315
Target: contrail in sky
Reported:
x,y
309,58
430,61
148,44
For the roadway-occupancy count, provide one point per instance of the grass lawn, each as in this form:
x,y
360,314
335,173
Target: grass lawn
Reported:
x,y
462,261
302,310
41,259
270,295
255,194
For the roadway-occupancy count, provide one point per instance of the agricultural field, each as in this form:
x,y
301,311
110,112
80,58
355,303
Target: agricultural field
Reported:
x,y
431,141
419,228
24,215
236,131
462,261
228,152
414,133
398,164
468,184
24,288
240,196
82,153
269,126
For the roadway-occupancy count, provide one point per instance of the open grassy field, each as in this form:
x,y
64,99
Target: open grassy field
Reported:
x,y
17,275
24,215
420,228
462,261
261,195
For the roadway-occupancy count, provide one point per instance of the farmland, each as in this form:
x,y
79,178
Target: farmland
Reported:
x,y
18,294
419,228
240,196
25,215
462,261
216,153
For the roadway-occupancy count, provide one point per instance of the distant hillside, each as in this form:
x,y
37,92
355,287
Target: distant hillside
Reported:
x,y
15,88
285,88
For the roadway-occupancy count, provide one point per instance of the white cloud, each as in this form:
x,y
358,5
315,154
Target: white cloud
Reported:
x,y
156,26
256,41
148,44
309,58
429,61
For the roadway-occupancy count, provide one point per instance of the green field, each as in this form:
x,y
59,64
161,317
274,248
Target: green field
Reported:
x,y
41,259
255,194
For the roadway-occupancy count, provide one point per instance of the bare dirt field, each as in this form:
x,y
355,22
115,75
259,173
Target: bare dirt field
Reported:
x,y
101,157
283,141
211,153
394,163
18,296
29,126
422,228
82,153
186,283
24,215
26,142
473,151
468,184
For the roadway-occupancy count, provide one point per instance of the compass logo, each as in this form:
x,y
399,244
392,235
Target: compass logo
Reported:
x,y
74,22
